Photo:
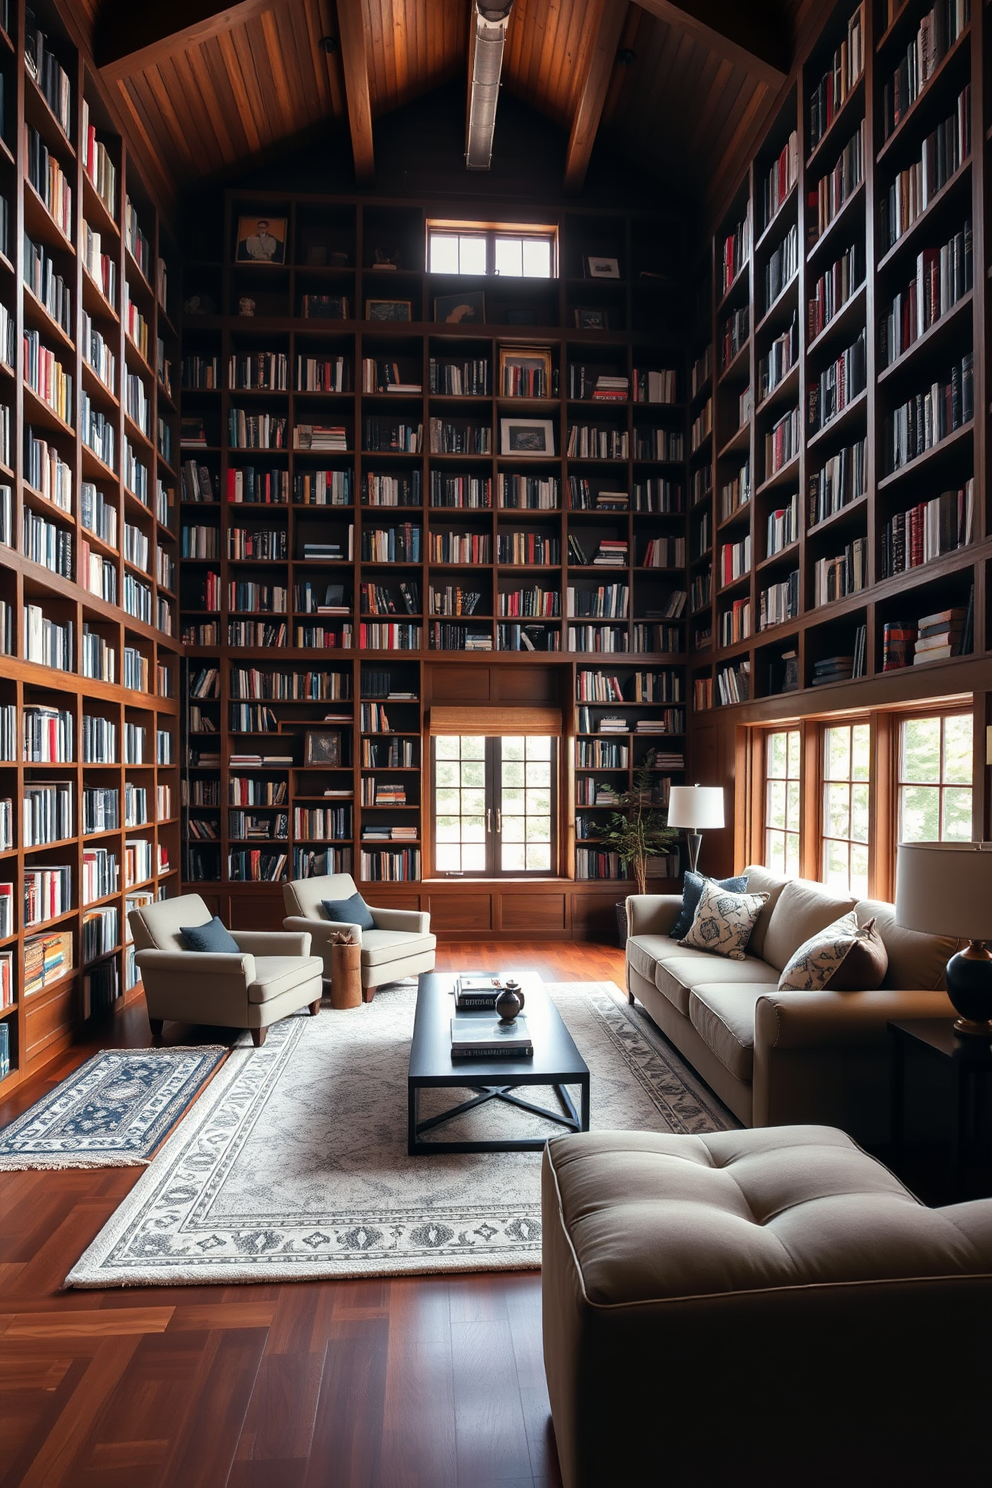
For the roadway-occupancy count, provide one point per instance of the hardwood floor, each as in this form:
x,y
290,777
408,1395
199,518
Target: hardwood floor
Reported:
x,y
406,1383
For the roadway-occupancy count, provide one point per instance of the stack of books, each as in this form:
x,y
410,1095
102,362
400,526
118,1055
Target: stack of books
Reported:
x,y
321,437
611,389
612,553
833,669
939,635
612,726
611,500
46,959
479,989
329,552
476,1037
898,639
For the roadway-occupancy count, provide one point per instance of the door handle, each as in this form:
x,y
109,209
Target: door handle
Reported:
x,y
499,820
489,818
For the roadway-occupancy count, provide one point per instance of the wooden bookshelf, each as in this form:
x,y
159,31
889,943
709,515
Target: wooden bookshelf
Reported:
x,y
90,764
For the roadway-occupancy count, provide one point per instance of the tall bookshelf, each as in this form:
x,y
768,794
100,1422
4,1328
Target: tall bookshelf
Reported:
x,y
400,527
89,778
861,518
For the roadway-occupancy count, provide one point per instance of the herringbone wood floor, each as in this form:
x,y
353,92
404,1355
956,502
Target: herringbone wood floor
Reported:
x,y
433,1383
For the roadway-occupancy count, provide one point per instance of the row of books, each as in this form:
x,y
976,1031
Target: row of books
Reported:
x,y
927,531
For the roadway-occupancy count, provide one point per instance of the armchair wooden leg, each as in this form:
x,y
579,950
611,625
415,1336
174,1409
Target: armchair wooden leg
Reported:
x,y
155,1024
315,1008
258,1036
367,994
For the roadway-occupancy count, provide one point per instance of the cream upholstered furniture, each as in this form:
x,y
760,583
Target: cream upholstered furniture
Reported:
x,y
400,945
759,1307
777,1057
273,973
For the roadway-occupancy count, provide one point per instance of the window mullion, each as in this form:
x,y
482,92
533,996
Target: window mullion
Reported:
x,y
493,797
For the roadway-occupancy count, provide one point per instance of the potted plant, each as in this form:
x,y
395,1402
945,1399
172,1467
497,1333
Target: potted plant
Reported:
x,y
636,832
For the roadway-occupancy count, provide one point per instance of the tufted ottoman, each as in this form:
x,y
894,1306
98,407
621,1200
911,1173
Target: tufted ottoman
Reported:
x,y
764,1307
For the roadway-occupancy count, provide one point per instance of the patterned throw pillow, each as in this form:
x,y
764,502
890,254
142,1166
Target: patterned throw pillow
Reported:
x,y
692,887
822,961
723,921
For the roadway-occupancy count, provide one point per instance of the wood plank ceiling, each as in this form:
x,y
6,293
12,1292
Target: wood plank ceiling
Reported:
x,y
253,80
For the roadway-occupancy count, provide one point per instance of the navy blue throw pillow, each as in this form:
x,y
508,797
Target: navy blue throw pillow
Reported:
x,y
692,889
353,911
213,936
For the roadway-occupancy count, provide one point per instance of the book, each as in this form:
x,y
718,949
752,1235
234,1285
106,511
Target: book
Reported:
x,y
478,1037
479,989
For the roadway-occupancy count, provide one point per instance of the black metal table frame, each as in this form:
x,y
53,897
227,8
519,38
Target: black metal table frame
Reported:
x,y
571,1120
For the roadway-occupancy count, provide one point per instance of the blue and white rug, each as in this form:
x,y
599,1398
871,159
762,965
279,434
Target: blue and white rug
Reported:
x,y
294,1165
112,1112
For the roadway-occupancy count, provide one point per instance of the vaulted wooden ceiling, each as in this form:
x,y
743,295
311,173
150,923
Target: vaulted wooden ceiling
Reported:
x,y
209,87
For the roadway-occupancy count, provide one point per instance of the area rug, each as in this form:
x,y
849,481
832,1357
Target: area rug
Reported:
x,y
293,1165
112,1112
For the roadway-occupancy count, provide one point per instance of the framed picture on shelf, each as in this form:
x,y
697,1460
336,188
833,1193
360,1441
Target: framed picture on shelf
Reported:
x,y
602,268
461,309
324,307
388,309
262,240
533,438
525,371
590,318
322,747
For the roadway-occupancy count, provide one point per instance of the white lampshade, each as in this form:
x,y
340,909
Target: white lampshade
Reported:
x,y
695,806
945,888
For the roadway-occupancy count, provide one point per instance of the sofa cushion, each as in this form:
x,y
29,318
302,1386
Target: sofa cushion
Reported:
x,y
723,921
917,962
691,890
761,881
353,911
213,936
379,947
677,976
644,952
819,961
722,1013
803,908
275,975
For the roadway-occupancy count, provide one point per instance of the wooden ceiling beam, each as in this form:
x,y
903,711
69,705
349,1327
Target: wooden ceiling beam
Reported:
x,y
756,36
130,37
355,64
592,96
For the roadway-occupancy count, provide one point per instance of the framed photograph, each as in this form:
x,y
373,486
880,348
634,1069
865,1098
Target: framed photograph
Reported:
x,y
525,371
388,309
588,318
532,438
322,747
461,309
602,268
262,240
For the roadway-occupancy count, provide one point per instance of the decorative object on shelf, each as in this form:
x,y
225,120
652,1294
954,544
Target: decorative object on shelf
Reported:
x,y
533,438
695,808
246,305
510,1001
637,831
945,888
199,304
388,309
602,268
589,318
262,240
385,258
322,747
461,309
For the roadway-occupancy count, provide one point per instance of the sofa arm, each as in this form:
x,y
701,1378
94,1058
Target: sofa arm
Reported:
x,y
652,914
823,1020
414,921
273,942
320,930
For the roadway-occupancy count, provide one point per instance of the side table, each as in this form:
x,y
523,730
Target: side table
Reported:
x,y
966,1061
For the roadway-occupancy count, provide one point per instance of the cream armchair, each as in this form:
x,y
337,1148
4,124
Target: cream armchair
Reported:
x,y
273,973
401,944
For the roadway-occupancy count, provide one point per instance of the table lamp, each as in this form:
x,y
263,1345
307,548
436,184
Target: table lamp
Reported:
x,y
695,807
945,888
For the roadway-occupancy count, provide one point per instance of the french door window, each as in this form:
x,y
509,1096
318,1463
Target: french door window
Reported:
x,y
494,805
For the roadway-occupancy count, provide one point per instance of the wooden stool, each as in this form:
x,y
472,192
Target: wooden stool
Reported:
x,y
346,976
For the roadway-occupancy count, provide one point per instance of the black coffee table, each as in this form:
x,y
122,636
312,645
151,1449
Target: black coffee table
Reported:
x,y
555,1061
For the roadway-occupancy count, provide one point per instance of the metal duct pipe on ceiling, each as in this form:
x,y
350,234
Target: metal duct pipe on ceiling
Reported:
x,y
488,36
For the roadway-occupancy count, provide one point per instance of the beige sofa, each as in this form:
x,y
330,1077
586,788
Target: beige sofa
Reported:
x,y
780,1057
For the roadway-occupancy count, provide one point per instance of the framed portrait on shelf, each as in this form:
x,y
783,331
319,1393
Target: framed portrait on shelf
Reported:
x,y
534,439
322,747
461,309
602,268
591,318
388,309
262,240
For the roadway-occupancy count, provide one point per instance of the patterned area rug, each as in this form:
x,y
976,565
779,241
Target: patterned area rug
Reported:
x,y
294,1166
112,1112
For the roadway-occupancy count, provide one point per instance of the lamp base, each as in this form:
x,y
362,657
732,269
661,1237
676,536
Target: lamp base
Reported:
x,y
969,987
693,841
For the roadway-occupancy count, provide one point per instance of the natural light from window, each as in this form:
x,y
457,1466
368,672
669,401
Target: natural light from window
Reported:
x,y
494,804
935,779
783,786
846,806
510,253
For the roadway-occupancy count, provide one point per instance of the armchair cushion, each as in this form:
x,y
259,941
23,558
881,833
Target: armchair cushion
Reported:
x,y
275,975
379,947
213,936
353,911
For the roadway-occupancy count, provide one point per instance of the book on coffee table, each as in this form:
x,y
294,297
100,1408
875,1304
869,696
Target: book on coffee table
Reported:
x,y
479,989
484,1038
